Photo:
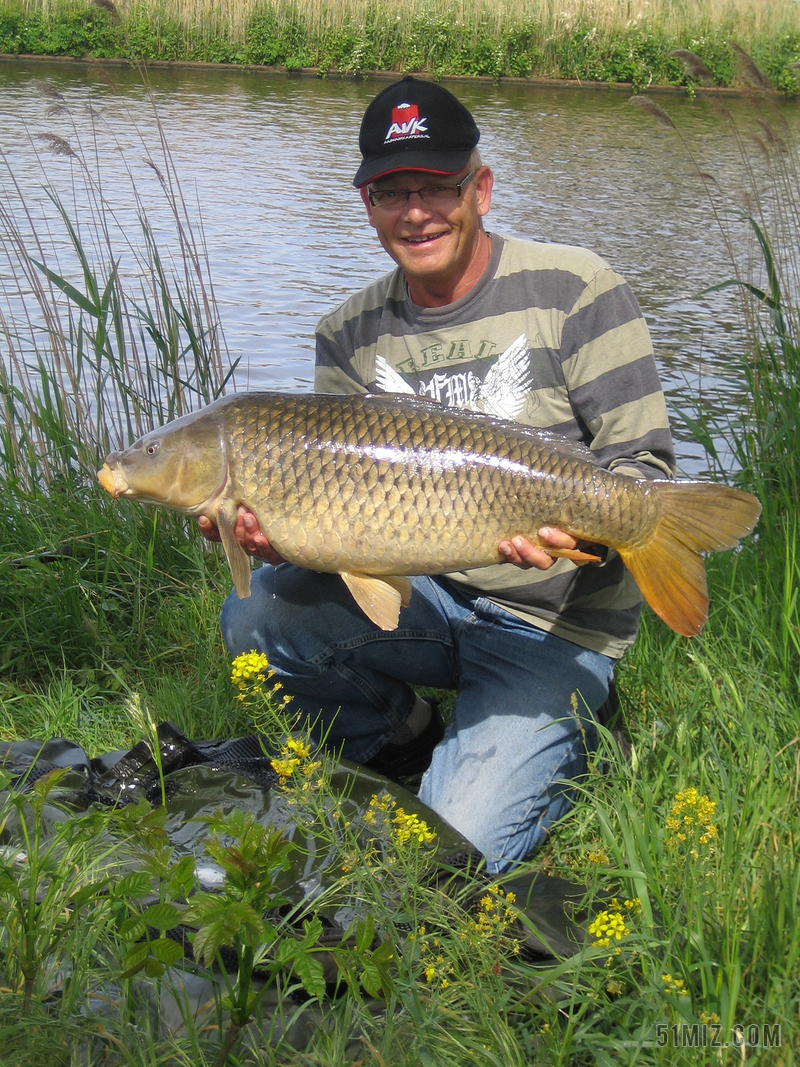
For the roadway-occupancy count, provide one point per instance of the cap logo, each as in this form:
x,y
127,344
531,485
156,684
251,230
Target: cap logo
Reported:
x,y
406,123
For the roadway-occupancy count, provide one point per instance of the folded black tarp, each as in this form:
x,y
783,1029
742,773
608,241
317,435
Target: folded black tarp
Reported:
x,y
200,778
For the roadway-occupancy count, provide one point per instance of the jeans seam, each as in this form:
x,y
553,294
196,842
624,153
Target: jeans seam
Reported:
x,y
366,639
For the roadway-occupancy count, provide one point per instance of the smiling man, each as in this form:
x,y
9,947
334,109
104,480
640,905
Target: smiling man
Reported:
x,y
546,335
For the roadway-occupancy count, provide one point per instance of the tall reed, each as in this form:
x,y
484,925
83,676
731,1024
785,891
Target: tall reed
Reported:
x,y
104,336
761,201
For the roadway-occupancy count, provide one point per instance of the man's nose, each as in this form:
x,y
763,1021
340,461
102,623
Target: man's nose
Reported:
x,y
416,207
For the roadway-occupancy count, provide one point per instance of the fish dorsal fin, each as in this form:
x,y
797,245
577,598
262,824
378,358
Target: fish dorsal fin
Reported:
x,y
238,560
379,598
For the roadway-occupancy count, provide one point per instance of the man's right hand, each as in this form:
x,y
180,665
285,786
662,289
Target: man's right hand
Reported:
x,y
248,534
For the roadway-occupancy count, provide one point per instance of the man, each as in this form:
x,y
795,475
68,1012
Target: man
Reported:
x,y
542,334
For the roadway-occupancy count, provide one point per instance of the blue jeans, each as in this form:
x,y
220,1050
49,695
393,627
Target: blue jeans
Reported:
x,y
502,774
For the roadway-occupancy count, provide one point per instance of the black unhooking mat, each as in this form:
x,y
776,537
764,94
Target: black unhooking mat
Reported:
x,y
200,778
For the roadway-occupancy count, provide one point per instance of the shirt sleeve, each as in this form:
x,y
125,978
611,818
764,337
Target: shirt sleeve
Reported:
x,y
612,380
333,368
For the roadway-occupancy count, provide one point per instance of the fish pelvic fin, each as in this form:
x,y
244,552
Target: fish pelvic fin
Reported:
x,y
379,598
238,560
669,569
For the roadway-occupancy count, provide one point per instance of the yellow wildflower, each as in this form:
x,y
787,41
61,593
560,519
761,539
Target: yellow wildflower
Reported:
x,y
691,816
609,925
598,857
674,985
406,826
295,755
249,671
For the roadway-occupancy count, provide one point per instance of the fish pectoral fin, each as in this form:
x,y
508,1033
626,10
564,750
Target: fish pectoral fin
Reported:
x,y
574,554
238,560
401,584
379,598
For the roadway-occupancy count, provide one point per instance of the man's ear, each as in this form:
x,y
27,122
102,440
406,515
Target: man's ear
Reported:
x,y
367,205
484,180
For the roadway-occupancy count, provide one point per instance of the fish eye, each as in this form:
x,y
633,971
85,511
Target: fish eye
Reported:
x,y
152,448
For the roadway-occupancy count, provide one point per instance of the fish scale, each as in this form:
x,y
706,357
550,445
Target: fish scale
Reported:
x,y
381,487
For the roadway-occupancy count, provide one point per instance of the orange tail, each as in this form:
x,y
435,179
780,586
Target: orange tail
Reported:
x,y
669,570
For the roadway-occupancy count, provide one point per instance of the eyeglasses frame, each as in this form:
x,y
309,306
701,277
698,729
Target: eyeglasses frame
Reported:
x,y
408,192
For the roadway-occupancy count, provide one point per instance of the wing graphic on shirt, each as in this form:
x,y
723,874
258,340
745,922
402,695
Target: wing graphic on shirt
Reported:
x,y
388,380
503,391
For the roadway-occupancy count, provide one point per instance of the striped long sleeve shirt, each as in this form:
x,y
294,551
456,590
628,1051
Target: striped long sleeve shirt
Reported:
x,y
550,337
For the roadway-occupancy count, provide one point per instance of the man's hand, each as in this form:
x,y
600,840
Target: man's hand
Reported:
x,y
248,534
522,553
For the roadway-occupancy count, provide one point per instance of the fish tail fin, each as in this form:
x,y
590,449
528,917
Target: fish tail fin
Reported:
x,y
669,569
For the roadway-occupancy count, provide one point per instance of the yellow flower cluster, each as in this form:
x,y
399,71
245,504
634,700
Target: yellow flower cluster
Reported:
x,y
403,826
249,671
692,816
598,857
496,912
295,757
674,985
434,967
609,925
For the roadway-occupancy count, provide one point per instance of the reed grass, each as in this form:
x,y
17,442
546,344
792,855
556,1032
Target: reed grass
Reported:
x,y
600,40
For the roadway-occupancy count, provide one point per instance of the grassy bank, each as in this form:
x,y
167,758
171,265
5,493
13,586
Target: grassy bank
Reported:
x,y
108,623
597,40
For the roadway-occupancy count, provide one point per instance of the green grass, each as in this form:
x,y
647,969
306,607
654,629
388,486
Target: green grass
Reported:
x,y
613,42
108,623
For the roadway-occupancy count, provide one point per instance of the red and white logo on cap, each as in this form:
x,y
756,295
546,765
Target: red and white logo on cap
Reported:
x,y
406,123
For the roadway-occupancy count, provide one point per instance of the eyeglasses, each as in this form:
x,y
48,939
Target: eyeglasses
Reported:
x,y
436,196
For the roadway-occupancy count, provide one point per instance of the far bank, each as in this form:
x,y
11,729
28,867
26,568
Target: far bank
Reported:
x,y
722,43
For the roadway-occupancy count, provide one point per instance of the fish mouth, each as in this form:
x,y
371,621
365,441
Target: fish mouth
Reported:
x,y
113,480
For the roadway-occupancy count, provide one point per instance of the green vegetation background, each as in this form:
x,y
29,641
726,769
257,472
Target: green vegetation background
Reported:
x,y
437,42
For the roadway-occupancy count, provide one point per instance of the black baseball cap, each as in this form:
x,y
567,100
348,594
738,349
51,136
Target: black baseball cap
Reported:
x,y
415,125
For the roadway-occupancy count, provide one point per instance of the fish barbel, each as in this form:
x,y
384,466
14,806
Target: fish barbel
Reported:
x,y
377,488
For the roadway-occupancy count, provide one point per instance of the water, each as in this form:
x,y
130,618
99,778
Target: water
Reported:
x,y
266,163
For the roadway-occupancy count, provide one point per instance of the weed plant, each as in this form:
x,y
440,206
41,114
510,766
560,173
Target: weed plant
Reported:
x,y
688,853
597,40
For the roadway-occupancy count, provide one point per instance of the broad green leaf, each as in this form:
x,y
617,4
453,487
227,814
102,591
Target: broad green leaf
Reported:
x,y
132,928
167,951
310,973
371,979
134,885
153,968
162,916
182,877
365,934
312,932
134,960
221,923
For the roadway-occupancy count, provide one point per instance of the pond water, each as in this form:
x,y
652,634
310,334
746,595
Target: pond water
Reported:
x,y
266,162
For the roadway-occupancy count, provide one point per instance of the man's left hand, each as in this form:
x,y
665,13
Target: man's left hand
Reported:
x,y
522,553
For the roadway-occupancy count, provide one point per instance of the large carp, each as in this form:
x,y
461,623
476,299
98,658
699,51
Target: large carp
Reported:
x,y
380,487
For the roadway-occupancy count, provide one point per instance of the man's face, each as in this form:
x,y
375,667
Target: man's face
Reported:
x,y
432,242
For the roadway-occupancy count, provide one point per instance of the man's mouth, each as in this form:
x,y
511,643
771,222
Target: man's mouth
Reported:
x,y
424,238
